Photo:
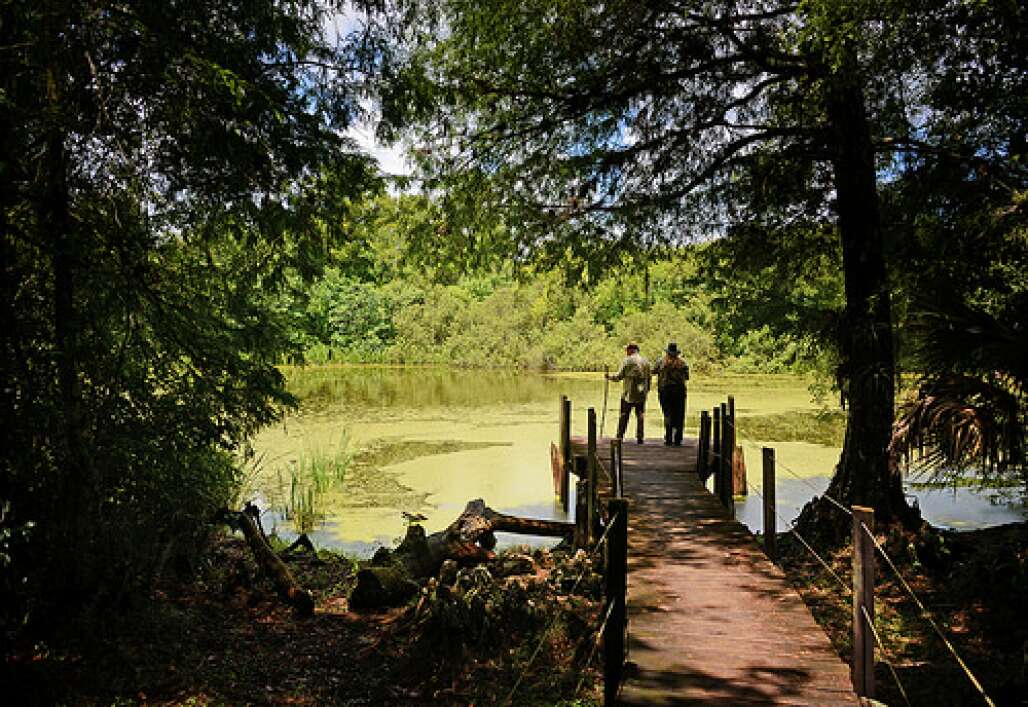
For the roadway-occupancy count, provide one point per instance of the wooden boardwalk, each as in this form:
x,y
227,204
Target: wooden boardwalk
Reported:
x,y
711,620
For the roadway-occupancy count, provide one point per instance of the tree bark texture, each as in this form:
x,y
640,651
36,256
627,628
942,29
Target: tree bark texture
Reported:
x,y
54,210
864,475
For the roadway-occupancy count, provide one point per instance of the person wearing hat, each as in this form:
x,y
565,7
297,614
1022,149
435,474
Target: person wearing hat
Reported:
x,y
635,372
672,372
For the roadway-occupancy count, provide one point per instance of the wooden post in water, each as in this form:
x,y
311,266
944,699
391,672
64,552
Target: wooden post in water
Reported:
x,y
715,465
590,474
863,601
770,524
739,486
617,585
565,450
617,471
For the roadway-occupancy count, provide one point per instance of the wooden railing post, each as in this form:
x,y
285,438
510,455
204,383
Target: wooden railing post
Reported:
x,y
724,466
616,589
590,474
715,467
863,601
565,449
617,471
728,439
581,538
770,524
703,453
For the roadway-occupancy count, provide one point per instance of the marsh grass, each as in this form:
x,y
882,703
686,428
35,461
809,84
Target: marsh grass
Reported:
x,y
311,475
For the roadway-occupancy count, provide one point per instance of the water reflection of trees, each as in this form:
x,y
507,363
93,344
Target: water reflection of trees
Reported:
x,y
372,386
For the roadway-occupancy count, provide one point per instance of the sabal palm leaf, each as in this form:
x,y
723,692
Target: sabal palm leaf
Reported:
x,y
953,337
962,421
971,406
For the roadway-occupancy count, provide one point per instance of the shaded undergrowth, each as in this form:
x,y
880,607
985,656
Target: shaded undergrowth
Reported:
x,y
221,637
975,584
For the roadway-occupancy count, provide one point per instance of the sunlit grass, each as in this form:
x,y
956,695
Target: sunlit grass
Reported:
x,y
816,427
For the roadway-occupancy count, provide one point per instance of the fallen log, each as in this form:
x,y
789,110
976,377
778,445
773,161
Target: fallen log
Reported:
x,y
301,543
469,539
286,586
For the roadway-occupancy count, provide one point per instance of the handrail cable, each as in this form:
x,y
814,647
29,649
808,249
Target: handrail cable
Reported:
x,y
885,654
778,463
604,467
849,591
596,643
792,529
603,536
553,622
927,615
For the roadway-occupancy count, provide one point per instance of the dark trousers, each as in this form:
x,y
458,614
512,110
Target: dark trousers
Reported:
x,y
672,403
626,410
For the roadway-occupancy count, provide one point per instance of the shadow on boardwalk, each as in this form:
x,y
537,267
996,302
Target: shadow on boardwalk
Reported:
x,y
711,620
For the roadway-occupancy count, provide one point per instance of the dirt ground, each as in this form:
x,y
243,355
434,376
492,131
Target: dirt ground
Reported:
x,y
224,638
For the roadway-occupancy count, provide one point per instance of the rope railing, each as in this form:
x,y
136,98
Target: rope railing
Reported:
x,y
596,644
806,482
925,612
603,467
718,435
885,654
927,616
849,593
600,543
848,589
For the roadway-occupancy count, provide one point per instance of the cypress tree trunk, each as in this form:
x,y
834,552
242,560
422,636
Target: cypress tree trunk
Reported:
x,y
864,475
71,505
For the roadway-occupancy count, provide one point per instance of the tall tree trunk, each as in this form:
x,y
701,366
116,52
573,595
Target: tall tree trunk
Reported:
x,y
864,475
55,219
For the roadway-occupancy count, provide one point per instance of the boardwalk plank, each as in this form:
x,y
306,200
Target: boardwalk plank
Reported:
x,y
711,620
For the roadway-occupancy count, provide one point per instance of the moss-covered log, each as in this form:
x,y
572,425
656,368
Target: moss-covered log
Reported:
x,y
468,540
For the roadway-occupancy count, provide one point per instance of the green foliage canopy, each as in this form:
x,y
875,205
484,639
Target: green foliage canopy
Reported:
x,y
163,166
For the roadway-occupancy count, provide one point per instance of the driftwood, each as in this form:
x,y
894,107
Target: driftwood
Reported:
x,y
286,586
469,539
301,543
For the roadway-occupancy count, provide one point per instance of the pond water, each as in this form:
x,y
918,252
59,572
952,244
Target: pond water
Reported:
x,y
369,444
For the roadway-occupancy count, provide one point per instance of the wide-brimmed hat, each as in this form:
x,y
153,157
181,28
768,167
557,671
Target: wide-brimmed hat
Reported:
x,y
672,349
632,346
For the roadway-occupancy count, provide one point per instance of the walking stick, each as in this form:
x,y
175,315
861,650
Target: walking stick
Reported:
x,y
606,387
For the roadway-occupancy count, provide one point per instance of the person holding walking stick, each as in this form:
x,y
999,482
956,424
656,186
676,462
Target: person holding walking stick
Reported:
x,y
635,372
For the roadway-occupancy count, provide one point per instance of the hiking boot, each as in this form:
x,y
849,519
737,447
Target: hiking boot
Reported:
x,y
638,441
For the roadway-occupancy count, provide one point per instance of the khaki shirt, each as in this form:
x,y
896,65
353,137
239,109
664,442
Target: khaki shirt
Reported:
x,y
635,372
671,370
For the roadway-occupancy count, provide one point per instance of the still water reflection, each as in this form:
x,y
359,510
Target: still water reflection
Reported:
x,y
424,441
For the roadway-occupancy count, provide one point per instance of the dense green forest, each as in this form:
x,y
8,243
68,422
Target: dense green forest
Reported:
x,y
390,296
823,186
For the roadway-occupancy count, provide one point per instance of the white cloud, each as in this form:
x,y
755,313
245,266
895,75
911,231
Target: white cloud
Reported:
x,y
391,158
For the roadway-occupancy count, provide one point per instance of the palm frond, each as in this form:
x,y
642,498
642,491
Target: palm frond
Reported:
x,y
961,421
954,337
